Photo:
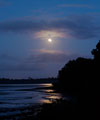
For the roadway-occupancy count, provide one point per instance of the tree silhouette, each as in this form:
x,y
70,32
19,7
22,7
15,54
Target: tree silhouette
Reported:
x,y
75,74
81,78
82,73
96,52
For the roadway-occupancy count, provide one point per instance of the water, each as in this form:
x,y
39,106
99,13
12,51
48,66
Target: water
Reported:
x,y
14,96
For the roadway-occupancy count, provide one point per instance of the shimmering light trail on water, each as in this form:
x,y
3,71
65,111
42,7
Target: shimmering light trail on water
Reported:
x,y
21,95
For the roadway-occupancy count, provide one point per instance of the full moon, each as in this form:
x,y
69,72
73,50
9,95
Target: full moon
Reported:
x,y
50,40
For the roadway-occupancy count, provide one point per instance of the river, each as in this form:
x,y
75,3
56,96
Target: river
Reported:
x,y
14,96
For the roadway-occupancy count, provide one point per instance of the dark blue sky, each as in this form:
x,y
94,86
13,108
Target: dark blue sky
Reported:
x,y
26,26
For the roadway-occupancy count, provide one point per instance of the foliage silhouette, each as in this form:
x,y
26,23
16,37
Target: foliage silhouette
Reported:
x,y
96,52
79,74
81,77
74,73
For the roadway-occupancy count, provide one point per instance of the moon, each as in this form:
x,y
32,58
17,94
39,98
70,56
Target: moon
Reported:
x,y
50,40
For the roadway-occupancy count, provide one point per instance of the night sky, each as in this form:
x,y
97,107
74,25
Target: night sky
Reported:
x,y
73,26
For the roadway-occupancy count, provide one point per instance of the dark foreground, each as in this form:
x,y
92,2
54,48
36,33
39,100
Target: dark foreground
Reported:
x,y
21,100
59,109
81,106
55,108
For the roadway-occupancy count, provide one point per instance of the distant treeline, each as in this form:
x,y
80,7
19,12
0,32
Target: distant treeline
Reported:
x,y
27,81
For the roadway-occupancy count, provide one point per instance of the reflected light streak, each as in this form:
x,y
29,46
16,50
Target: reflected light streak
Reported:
x,y
46,85
45,101
51,98
49,91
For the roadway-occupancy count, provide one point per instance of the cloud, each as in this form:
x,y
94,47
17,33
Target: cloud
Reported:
x,y
50,56
42,51
21,67
4,3
76,26
36,62
7,57
45,34
76,5
11,63
21,26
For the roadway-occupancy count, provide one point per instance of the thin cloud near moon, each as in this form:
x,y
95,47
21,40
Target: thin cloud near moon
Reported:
x,y
46,34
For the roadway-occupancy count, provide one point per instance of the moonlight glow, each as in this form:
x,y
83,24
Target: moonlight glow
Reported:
x,y
44,35
50,40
